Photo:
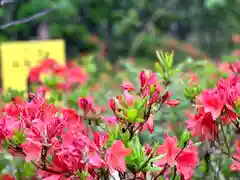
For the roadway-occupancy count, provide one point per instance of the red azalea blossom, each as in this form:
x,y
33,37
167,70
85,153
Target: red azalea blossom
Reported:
x,y
154,98
169,149
70,76
85,104
187,162
32,149
148,81
142,78
228,117
10,109
7,177
148,149
193,79
202,125
111,120
236,38
129,98
149,124
71,116
235,67
115,156
173,103
7,127
128,86
112,104
76,75
166,100
211,102
235,166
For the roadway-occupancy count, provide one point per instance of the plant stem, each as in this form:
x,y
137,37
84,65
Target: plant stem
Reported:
x,y
225,139
174,173
148,159
167,165
226,153
44,168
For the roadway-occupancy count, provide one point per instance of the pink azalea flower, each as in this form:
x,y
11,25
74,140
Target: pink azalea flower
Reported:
x,y
128,86
149,124
202,125
211,102
32,149
85,104
115,156
129,98
169,149
187,162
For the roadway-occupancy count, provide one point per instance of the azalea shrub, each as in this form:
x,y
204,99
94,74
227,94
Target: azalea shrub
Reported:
x,y
47,136
190,79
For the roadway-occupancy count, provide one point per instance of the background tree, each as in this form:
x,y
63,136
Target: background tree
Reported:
x,y
126,27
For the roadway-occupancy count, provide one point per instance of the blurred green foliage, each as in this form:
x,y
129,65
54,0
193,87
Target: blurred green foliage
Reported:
x,y
16,166
126,27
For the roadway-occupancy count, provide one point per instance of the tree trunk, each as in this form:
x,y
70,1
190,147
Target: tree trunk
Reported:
x,y
43,31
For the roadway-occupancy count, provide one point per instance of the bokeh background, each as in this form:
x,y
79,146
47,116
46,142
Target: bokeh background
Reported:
x,y
127,27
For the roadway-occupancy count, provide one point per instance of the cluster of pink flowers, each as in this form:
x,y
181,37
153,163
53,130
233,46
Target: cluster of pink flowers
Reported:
x,y
61,146
70,75
216,108
64,137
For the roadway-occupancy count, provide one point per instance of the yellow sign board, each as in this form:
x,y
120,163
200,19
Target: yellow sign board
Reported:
x,y
18,57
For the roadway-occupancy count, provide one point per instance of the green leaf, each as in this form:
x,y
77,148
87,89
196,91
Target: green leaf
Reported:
x,y
125,136
115,133
185,137
141,107
174,71
140,120
170,60
152,89
237,105
5,159
159,68
28,170
83,175
137,156
160,58
7,97
90,68
132,115
151,169
157,158
51,81
18,137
